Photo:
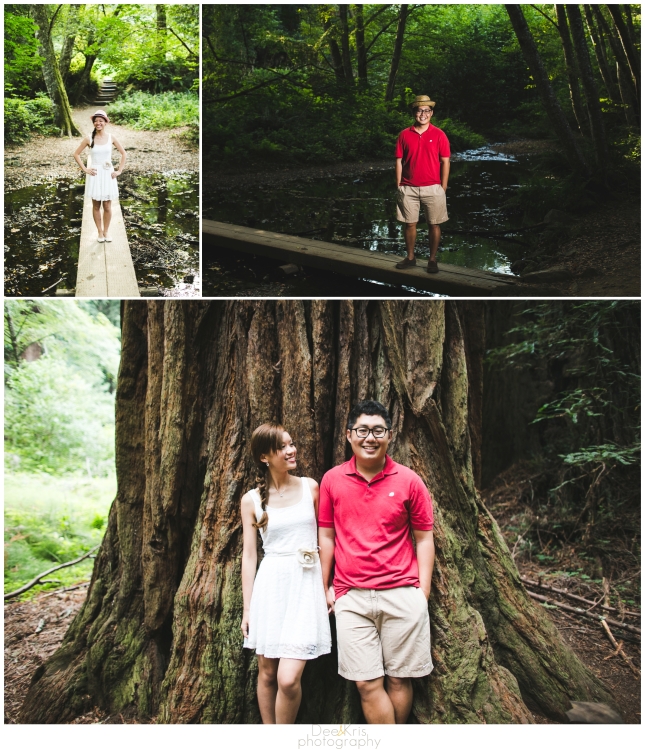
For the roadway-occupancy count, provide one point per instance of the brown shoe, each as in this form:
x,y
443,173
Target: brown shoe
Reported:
x,y
406,263
432,267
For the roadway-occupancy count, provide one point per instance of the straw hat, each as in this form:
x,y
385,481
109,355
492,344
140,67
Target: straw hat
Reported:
x,y
422,101
100,113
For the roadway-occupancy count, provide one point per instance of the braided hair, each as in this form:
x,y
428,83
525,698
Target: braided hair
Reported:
x,y
267,438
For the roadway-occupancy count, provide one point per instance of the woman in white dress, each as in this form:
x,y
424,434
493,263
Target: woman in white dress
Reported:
x,y
285,613
101,184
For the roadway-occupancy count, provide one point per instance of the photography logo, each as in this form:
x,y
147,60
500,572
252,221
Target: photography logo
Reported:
x,y
341,737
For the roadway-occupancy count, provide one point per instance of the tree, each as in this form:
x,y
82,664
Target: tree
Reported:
x,y
572,152
51,72
67,50
573,74
159,632
396,55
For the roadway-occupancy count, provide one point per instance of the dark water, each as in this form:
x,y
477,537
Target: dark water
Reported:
x,y
361,212
43,228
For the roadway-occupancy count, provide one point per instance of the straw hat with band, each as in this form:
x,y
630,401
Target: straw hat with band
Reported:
x,y
422,101
100,113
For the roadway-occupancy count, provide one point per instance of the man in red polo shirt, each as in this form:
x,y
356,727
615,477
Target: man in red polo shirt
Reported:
x,y
368,506
422,168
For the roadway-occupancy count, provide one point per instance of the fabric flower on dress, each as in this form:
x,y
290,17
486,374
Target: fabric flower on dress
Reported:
x,y
107,165
307,557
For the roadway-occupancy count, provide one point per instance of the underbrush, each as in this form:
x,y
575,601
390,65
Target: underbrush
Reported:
x,y
24,117
50,520
143,111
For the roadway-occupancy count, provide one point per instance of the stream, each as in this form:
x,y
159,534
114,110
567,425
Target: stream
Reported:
x,y
360,211
43,228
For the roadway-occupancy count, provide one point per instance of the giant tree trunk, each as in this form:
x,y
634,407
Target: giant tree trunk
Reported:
x,y
396,54
159,633
67,50
570,147
51,73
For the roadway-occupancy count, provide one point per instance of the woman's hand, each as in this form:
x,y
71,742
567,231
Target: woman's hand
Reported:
x,y
91,171
115,174
245,625
331,600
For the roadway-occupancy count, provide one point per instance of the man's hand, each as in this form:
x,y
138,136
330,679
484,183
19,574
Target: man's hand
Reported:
x,y
331,600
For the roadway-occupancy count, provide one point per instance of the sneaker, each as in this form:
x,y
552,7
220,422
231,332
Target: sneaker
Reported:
x,y
432,267
406,263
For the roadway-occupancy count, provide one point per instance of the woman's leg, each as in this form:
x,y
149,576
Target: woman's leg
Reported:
x,y
267,688
107,216
289,690
96,213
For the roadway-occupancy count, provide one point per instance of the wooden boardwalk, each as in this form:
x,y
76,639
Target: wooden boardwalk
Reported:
x,y
105,269
352,261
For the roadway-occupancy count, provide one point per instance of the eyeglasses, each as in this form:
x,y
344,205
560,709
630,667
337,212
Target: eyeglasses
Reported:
x,y
363,432
424,111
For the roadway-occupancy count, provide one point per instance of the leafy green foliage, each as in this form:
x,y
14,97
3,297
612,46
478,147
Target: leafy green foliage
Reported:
x,y
60,375
23,118
49,520
156,111
21,59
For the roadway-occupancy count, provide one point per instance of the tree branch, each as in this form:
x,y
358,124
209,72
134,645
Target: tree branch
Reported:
x,y
246,91
548,18
33,582
182,42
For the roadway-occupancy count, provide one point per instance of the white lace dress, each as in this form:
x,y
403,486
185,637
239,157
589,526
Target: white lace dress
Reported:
x,y
101,187
288,615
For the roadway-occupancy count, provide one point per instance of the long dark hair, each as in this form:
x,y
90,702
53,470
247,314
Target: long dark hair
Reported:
x,y
267,438
94,131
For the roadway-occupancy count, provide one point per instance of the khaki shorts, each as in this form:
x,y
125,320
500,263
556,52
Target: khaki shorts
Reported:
x,y
432,198
379,628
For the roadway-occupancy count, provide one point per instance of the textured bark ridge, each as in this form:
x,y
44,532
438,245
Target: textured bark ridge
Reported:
x,y
159,634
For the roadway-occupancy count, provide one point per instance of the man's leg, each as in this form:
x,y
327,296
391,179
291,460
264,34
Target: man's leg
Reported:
x,y
410,234
375,702
434,236
399,691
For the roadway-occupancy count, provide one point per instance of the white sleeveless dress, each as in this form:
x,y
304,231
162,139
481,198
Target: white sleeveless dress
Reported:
x,y
288,615
101,187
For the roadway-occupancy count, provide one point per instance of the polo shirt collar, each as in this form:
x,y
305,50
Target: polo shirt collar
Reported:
x,y
389,468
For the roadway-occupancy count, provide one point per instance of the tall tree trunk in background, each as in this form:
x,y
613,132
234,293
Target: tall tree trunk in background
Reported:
x,y
630,51
361,51
396,55
619,55
344,45
565,135
590,88
51,73
601,56
573,75
334,51
159,632
67,50
161,37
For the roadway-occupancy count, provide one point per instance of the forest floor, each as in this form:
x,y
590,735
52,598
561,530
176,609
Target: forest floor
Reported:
x,y
598,254
49,158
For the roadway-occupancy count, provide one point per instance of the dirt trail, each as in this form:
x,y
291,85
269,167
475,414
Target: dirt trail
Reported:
x,y
46,158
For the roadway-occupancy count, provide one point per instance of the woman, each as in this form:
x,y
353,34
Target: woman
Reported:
x,y
101,183
285,614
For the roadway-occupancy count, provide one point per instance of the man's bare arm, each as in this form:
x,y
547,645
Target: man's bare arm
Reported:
x,y
398,171
327,544
445,171
425,558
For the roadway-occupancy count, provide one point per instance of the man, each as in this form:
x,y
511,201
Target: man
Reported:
x,y
422,168
381,587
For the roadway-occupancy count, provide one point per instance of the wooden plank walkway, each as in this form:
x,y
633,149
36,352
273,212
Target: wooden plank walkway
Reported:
x,y
352,261
105,269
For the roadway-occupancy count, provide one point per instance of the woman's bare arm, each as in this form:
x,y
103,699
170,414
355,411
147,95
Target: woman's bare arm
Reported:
x,y
121,150
77,157
249,557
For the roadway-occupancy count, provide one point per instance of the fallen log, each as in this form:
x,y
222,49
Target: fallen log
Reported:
x,y
539,585
39,578
582,612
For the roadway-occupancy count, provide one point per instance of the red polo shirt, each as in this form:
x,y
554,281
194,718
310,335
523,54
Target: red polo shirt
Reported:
x,y
420,153
372,521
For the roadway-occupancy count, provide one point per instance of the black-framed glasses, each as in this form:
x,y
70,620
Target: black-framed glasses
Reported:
x,y
362,432
424,111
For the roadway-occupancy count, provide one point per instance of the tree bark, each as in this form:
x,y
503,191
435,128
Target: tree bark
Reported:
x,y
619,54
334,51
573,75
344,44
601,56
67,50
630,52
159,633
361,51
161,32
565,135
590,89
396,55
51,73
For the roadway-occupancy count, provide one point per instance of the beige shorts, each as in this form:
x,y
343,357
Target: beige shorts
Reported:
x,y
383,631
410,199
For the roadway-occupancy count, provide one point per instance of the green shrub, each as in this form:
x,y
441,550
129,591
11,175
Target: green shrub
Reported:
x,y
23,117
156,111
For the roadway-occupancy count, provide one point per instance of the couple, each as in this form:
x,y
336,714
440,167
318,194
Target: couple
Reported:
x,y
368,508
